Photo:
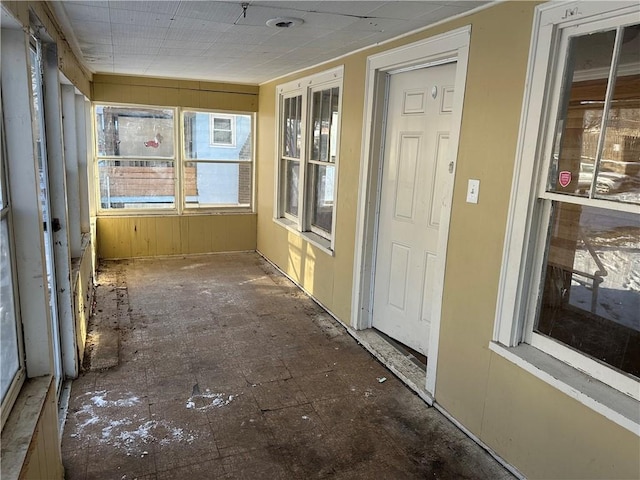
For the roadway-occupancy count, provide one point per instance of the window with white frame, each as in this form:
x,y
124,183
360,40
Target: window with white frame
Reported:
x,y
290,156
220,173
570,285
308,151
139,166
222,130
135,157
11,356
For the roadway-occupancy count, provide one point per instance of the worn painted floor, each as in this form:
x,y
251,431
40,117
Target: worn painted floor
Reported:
x,y
222,368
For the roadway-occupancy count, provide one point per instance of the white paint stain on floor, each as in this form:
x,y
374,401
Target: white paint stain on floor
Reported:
x,y
99,400
131,432
208,399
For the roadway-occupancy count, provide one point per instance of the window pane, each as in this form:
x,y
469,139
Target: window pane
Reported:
x,y
134,132
9,352
325,125
223,144
291,187
591,293
136,184
291,128
323,177
222,123
619,173
207,137
217,184
580,118
225,138
221,131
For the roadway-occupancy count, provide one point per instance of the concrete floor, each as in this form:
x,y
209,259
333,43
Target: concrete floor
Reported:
x,y
219,367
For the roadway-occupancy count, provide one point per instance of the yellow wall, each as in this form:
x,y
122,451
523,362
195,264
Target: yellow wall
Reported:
x,y
174,93
540,430
30,441
126,237
82,277
328,278
546,434
141,236
44,459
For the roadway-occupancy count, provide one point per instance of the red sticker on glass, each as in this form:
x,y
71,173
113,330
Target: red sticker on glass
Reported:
x,y
564,178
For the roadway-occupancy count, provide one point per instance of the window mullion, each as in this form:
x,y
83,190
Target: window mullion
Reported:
x,y
178,160
590,202
304,155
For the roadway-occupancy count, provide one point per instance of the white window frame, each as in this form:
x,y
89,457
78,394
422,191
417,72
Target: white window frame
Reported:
x,y
288,219
616,395
301,225
182,157
174,159
212,129
309,188
178,159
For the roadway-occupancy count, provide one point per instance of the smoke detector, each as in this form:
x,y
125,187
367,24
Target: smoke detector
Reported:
x,y
284,22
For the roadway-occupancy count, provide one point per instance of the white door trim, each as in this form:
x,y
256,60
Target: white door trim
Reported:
x,y
448,47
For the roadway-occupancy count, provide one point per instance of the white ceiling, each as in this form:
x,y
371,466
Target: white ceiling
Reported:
x,y
213,40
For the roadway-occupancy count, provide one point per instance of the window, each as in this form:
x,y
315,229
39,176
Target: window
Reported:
x,y
223,130
570,285
139,166
11,363
136,157
308,146
290,157
217,169
322,159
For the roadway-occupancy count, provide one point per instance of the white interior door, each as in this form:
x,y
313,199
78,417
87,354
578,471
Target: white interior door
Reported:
x,y
414,176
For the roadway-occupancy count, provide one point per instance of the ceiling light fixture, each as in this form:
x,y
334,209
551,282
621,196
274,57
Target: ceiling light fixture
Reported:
x,y
284,22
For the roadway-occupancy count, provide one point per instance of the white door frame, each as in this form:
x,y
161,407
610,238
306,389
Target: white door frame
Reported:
x,y
452,46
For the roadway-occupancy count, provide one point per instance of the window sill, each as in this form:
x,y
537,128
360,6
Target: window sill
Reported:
x,y
614,405
314,239
174,213
21,426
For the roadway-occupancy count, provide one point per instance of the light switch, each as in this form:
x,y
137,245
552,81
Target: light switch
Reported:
x,y
473,189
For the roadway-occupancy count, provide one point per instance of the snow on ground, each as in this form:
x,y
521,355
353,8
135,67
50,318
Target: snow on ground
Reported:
x,y
618,297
